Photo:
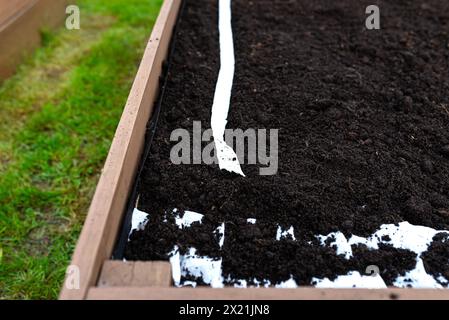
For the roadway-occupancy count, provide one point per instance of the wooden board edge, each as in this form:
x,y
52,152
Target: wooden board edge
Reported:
x,y
118,273
13,11
154,293
102,223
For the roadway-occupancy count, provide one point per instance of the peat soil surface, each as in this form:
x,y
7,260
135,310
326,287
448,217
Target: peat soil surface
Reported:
x,y
363,119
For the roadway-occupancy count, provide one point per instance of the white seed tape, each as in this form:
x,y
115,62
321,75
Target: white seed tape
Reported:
x,y
227,159
403,235
139,220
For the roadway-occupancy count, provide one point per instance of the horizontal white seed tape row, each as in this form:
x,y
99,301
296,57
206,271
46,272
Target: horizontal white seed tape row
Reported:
x,y
416,239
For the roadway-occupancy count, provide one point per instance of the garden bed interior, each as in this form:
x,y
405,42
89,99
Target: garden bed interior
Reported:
x,y
363,176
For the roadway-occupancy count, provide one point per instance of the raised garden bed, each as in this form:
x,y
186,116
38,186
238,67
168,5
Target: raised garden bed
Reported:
x,y
362,180
21,23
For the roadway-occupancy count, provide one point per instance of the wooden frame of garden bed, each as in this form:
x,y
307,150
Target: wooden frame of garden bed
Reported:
x,y
102,278
20,28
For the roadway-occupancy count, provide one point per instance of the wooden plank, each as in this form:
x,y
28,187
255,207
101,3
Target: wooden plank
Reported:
x,y
10,9
100,230
124,293
20,24
116,273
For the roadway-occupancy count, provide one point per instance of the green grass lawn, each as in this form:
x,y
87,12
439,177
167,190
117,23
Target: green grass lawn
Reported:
x,y
58,115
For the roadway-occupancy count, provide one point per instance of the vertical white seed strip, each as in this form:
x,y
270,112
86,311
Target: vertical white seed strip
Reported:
x,y
227,159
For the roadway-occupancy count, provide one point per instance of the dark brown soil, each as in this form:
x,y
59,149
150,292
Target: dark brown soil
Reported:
x,y
435,259
363,141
